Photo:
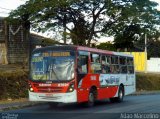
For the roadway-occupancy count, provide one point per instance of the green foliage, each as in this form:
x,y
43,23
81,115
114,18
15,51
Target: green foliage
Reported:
x,y
85,20
107,46
141,18
153,48
48,42
80,32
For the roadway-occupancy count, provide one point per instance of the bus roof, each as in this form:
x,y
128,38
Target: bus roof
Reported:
x,y
83,48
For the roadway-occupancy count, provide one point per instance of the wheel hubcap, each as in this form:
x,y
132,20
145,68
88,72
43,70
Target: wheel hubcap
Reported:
x,y
121,95
91,97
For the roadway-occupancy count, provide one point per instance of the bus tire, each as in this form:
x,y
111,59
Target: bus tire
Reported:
x,y
120,95
91,98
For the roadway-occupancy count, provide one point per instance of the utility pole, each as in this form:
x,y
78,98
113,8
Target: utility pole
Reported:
x,y
145,53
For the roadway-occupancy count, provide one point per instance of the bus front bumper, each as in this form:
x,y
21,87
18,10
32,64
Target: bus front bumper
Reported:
x,y
70,97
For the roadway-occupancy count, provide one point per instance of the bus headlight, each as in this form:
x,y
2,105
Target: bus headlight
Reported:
x,y
71,88
31,89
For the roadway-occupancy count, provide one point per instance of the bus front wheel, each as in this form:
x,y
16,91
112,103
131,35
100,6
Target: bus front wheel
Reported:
x,y
91,99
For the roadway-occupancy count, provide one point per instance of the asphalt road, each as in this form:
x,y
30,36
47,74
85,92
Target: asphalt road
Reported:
x,y
141,106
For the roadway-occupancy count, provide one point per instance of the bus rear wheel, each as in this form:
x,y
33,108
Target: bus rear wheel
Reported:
x,y
120,95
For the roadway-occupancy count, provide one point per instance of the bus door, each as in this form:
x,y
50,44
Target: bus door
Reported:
x,y
82,71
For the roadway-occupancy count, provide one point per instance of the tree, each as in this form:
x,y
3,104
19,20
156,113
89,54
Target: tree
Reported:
x,y
85,20
106,46
127,38
80,32
153,49
143,20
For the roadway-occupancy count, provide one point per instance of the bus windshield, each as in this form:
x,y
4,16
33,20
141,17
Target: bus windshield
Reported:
x,y
52,66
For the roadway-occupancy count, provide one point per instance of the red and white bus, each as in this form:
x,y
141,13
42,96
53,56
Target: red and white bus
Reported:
x,y
71,74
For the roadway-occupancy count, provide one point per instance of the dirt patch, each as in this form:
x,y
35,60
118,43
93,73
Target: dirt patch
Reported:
x,y
13,83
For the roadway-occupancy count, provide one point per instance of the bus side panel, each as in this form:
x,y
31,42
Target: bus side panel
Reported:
x,y
86,82
82,95
130,84
107,92
84,85
109,84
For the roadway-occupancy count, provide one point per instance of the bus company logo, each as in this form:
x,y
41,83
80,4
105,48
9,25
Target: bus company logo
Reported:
x,y
112,80
44,84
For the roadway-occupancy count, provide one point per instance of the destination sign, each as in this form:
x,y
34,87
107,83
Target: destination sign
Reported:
x,y
37,59
56,54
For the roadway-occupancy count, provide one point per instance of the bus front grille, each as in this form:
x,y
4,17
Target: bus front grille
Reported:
x,y
48,89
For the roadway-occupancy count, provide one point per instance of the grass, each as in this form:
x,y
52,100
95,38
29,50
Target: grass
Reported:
x,y
13,82
147,81
13,100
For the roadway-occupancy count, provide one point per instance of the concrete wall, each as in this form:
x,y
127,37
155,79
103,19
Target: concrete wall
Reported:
x,y
153,65
17,44
15,41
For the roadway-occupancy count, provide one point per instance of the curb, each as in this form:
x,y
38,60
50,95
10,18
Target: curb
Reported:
x,y
8,107
146,93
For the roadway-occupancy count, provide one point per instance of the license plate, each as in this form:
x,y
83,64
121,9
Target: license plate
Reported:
x,y
48,94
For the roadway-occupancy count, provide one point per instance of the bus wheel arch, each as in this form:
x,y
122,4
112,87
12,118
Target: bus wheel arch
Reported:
x,y
92,96
121,94
94,89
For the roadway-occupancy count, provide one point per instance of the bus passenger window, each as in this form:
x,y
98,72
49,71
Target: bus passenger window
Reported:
x,y
130,70
105,64
129,61
115,65
82,64
123,65
130,66
95,63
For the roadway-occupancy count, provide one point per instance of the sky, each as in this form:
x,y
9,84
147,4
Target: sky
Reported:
x,y
7,5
